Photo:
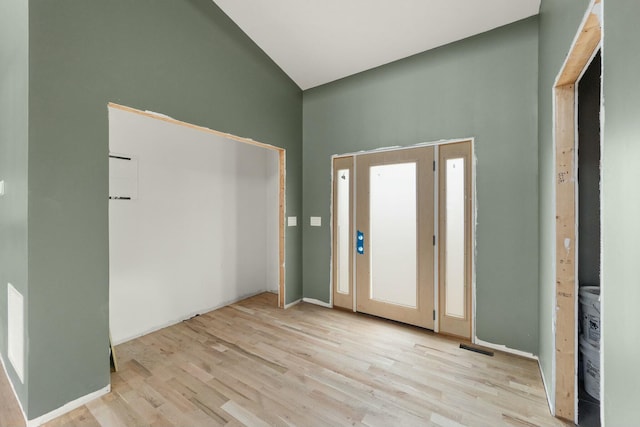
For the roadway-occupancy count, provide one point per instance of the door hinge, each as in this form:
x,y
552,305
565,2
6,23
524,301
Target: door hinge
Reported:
x,y
434,315
434,240
434,165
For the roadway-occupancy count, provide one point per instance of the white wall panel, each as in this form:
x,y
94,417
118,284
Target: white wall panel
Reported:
x,y
202,231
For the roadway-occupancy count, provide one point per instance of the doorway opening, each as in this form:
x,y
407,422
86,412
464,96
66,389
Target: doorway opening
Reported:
x,y
403,235
586,45
589,88
196,221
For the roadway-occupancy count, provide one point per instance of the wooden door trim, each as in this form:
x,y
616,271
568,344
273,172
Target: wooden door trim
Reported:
x,y
465,150
337,299
281,186
423,156
585,45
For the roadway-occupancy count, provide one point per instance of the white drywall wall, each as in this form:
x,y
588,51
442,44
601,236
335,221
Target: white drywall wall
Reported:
x,y
202,232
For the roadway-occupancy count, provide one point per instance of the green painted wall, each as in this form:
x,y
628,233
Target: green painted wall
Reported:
x,y
559,21
485,87
620,213
14,146
185,59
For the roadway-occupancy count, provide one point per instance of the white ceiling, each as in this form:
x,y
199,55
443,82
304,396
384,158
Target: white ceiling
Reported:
x,y
318,41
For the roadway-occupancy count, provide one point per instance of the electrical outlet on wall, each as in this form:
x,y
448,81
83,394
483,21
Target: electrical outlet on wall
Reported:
x,y
2,188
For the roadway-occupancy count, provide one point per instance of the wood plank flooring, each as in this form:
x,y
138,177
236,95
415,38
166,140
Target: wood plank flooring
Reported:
x,y
253,364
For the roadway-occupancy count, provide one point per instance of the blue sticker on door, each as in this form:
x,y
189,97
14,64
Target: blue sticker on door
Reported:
x,y
360,242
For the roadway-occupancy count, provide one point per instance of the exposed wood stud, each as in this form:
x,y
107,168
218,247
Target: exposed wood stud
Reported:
x,y
585,46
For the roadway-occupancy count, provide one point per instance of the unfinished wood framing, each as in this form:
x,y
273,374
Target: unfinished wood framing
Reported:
x,y
281,172
565,134
282,166
565,252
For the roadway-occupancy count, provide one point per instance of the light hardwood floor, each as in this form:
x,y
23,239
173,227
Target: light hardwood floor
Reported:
x,y
253,364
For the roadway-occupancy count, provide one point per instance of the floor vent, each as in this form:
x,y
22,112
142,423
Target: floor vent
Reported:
x,y
477,350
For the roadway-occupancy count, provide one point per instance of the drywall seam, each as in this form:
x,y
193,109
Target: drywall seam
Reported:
x,y
68,407
15,394
188,316
505,349
317,302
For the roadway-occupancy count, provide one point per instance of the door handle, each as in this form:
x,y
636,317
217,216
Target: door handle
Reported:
x,y
360,242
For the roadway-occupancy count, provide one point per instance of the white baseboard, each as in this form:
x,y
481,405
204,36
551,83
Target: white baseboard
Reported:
x,y
24,415
291,304
317,302
505,349
175,321
546,390
68,407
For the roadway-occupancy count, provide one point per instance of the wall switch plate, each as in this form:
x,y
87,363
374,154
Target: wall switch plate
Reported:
x,y
292,221
316,221
2,188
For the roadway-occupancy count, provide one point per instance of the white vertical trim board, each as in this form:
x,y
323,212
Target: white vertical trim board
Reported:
x,y
546,389
15,327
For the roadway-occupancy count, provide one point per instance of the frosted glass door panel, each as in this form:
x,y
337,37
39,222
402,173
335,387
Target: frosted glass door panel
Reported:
x,y
393,243
343,220
455,234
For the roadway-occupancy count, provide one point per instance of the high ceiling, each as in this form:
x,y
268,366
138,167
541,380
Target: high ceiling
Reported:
x,y
319,41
